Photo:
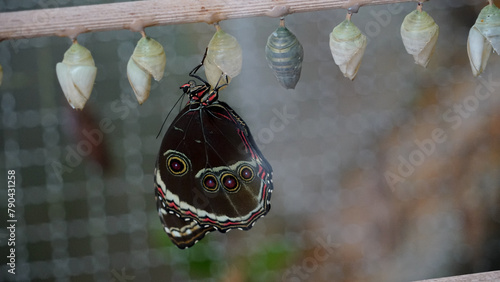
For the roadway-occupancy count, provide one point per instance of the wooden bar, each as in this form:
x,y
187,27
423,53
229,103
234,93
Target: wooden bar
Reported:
x,y
483,277
71,21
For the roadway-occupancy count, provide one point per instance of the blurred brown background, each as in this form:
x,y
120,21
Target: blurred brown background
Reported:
x,y
392,177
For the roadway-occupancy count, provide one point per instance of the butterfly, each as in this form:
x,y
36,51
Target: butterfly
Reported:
x,y
209,174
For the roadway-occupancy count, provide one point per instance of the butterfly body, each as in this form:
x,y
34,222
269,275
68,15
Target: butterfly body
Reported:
x,y
209,173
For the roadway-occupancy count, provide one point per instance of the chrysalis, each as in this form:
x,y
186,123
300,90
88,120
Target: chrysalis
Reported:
x,y
224,58
284,54
147,60
1,74
419,33
348,45
76,75
483,37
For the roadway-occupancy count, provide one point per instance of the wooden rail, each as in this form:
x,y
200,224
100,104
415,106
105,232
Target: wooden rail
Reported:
x,y
71,21
493,276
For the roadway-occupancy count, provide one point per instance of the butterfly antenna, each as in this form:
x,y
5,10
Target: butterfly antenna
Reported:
x,y
169,112
180,104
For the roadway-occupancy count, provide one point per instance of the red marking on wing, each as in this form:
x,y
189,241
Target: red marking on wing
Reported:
x,y
264,188
247,145
231,222
240,133
173,205
261,169
160,191
226,117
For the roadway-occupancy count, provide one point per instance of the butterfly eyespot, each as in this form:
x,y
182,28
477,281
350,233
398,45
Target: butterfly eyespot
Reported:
x,y
246,173
210,183
177,165
230,182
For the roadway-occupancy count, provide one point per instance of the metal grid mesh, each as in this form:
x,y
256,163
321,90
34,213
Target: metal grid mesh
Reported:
x,y
86,209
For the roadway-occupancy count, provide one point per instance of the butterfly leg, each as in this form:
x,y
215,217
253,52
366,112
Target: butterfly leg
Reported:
x,y
213,96
195,70
217,87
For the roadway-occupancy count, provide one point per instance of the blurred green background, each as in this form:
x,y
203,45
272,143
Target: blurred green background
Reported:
x,y
334,215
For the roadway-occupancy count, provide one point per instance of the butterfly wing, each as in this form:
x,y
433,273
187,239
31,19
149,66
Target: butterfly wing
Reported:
x,y
210,173
183,231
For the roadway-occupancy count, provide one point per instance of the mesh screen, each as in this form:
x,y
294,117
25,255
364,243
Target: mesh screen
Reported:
x,y
84,198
